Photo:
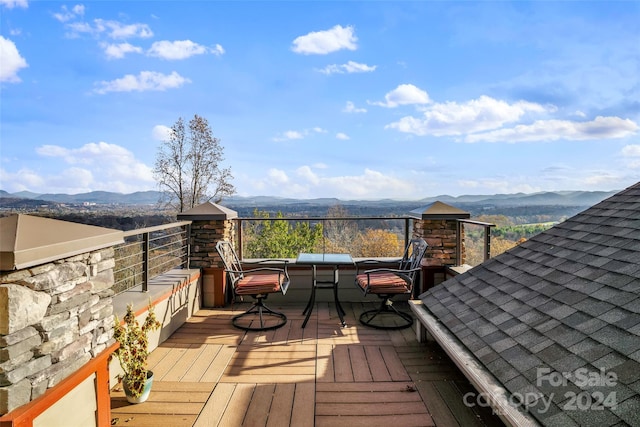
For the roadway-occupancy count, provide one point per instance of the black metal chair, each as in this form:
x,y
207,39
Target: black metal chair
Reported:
x,y
389,282
257,283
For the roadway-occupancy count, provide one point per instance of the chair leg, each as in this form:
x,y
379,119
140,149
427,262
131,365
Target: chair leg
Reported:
x,y
386,308
260,310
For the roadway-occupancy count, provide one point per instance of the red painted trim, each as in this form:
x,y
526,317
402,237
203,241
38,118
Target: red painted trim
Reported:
x,y
24,415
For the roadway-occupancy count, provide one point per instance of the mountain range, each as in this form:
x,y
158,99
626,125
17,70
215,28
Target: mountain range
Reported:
x,y
559,198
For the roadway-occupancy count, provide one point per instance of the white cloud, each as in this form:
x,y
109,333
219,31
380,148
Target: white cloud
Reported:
x,y
118,30
91,167
277,176
87,154
349,67
368,184
601,178
342,136
351,108
218,50
145,81
288,135
323,42
67,15
308,183
498,186
180,49
97,166
477,115
405,94
631,150
118,51
552,130
10,4
631,154
305,173
11,62
23,179
77,28
113,29
294,134
161,132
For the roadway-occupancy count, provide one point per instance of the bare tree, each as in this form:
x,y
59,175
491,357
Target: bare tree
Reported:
x,y
187,166
341,235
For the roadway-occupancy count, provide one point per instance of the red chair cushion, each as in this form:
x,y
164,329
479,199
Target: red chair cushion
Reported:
x,y
383,283
259,284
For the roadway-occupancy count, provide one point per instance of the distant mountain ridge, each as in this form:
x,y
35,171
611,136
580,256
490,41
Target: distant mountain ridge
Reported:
x,y
560,198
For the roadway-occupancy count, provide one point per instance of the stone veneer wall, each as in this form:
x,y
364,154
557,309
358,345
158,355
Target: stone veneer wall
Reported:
x,y
205,234
441,236
53,319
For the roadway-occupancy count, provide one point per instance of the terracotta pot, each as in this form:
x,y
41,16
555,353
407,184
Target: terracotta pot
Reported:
x,y
145,390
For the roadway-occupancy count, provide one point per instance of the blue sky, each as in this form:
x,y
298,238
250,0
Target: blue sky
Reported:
x,y
347,99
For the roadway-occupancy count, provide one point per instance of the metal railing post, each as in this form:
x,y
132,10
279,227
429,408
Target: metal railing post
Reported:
x,y
406,231
239,234
145,262
187,231
459,242
487,242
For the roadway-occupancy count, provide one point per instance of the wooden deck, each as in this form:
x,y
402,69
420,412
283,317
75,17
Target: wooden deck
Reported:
x,y
211,374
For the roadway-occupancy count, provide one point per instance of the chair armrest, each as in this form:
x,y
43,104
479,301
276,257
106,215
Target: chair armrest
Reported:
x,y
283,262
391,270
259,269
365,263
267,261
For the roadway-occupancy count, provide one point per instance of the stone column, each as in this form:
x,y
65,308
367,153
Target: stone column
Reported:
x,y
56,309
210,224
437,224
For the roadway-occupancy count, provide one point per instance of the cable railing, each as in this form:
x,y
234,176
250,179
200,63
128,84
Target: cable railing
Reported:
x,y
472,257
149,252
372,236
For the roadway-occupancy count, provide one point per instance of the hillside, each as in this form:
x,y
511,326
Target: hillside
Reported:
x,y
521,207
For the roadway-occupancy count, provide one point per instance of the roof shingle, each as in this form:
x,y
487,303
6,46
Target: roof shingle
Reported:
x,y
568,301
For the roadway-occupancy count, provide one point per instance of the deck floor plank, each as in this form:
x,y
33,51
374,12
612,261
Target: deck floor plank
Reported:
x,y
211,374
361,369
237,406
214,408
258,411
216,369
281,406
200,365
303,412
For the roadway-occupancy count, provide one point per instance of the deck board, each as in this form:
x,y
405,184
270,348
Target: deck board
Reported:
x,y
211,374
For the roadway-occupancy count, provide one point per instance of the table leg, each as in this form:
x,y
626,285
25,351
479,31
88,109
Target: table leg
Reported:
x,y
339,308
312,298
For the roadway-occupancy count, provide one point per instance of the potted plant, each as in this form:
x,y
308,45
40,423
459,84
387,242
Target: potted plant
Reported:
x,y
133,352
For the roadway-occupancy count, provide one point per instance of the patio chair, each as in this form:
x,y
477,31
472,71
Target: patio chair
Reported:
x,y
389,282
257,283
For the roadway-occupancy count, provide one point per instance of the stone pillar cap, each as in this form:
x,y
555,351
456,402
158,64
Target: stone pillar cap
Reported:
x,y
439,210
206,212
27,240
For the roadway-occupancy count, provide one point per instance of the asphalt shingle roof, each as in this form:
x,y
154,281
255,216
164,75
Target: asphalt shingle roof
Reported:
x,y
556,316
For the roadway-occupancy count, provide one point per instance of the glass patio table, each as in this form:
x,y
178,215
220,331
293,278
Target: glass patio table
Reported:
x,y
326,259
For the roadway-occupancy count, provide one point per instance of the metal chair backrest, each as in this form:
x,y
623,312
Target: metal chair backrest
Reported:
x,y
412,257
231,261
